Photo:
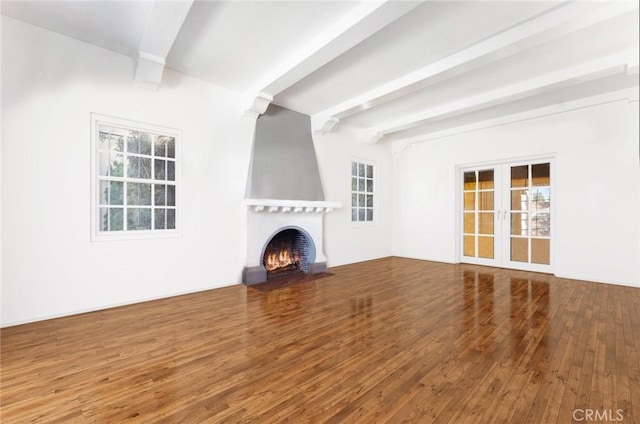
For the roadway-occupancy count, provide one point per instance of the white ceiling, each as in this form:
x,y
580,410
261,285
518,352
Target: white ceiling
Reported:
x,y
395,70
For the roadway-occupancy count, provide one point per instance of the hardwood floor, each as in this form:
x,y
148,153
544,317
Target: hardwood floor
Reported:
x,y
390,340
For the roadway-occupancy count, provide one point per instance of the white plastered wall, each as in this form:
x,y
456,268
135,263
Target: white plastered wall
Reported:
x,y
596,234
347,242
51,84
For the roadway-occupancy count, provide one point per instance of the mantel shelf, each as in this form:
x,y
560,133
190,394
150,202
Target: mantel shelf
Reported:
x,y
292,206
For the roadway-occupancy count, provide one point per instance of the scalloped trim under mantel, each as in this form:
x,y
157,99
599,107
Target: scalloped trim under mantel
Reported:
x,y
296,206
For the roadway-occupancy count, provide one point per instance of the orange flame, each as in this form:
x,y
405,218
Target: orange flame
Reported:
x,y
280,259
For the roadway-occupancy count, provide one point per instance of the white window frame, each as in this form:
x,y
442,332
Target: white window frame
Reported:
x,y
98,120
373,193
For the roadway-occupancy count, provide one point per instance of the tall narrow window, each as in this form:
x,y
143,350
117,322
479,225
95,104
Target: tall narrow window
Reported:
x,y
362,192
135,183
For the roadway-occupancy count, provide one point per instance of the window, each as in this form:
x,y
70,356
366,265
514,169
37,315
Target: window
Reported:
x,y
362,192
135,179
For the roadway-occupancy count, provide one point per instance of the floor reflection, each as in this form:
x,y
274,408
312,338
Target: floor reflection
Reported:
x,y
478,302
361,322
530,311
499,314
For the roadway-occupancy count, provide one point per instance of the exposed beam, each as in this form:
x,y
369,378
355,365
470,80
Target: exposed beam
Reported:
x,y
164,23
552,24
363,21
627,94
548,82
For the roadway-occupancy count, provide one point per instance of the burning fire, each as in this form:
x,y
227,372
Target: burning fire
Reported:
x,y
282,259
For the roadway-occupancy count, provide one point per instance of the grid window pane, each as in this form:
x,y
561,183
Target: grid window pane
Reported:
x,y
138,194
116,167
520,176
104,192
470,180
519,224
361,169
145,168
541,198
171,219
171,195
519,200
469,201
469,246
103,164
540,251
159,219
369,186
133,144
361,185
369,171
485,179
540,224
171,170
354,214
171,147
138,219
354,169
354,200
104,219
485,223
159,194
103,140
116,193
485,200
139,142
160,146
361,214
519,249
485,247
133,167
469,223
541,174
369,214
116,223
159,169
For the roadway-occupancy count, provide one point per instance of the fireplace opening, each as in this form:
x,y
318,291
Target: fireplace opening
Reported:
x,y
287,253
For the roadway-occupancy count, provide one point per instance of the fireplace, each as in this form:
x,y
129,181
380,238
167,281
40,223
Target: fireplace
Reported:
x,y
285,199
284,237
286,253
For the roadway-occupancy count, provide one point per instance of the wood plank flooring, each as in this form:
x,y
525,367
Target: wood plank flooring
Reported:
x,y
387,341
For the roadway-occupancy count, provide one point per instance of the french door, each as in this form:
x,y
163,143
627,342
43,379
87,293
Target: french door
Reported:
x,y
506,215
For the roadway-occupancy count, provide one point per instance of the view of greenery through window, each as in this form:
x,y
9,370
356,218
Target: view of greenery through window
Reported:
x,y
137,180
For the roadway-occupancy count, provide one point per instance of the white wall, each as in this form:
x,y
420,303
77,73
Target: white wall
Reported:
x,y
346,242
596,234
51,84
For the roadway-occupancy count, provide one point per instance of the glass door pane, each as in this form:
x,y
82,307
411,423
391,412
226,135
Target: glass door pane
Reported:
x,y
530,217
478,217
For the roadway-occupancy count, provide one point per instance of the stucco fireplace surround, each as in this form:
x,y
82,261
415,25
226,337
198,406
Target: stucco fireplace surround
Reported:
x,y
284,193
266,218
